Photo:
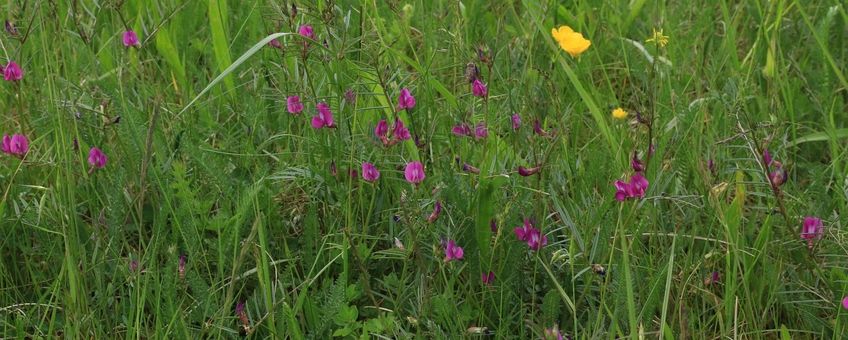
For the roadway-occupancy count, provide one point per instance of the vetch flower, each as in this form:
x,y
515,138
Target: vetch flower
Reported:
x,y
536,240
405,100
528,171
524,230
635,188
306,31
276,44
767,158
461,130
350,96
130,39
400,132
293,104
12,72
17,145
488,278
452,251
537,128
845,302
778,176
472,73
812,230
369,172
479,89
414,172
437,210
493,225
470,168
480,131
712,279
181,269
570,41
382,131
516,121
619,113
636,164
242,315
324,118
97,158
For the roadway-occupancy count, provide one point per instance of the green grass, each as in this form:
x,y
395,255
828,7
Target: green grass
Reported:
x,y
205,161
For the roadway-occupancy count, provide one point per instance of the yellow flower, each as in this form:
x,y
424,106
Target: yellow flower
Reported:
x,y
658,38
619,113
572,42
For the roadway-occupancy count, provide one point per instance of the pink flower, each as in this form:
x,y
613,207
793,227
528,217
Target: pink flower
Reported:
x,y
181,269
400,131
130,39
324,118
636,164
778,176
97,158
536,240
452,251
414,172
437,209
767,157
480,131
812,230
634,189
293,104
524,231
275,44
405,100
488,278
382,131
12,72
479,89
528,171
306,31
493,225
516,121
17,145
369,172
845,302
461,130
537,128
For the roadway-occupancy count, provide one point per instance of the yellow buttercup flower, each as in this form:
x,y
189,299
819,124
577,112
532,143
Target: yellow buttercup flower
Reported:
x,y
572,42
658,38
619,113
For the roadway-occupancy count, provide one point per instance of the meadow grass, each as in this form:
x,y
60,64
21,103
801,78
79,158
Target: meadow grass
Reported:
x,y
219,214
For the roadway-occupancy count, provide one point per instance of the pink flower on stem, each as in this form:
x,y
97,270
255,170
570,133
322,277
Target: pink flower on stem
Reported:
x,y
130,39
400,132
537,128
414,172
293,104
97,158
452,251
369,172
17,145
12,72
536,240
812,230
528,171
437,210
461,130
324,118
523,231
636,164
767,157
479,89
306,31
634,189
382,131
516,121
181,269
488,278
480,131
275,44
405,100
778,176
845,302
242,315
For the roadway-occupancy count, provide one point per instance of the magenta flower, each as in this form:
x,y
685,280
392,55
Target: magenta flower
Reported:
x,y
276,44
812,230
524,231
536,240
711,166
369,172
480,131
97,158
293,104
461,130
437,209
17,145
130,39
452,251
479,89
13,72
778,176
636,164
537,128
324,118
845,302
634,189
767,157
405,100
133,266
350,96
516,121
528,171
382,131
400,132
488,278
493,225
414,172
181,269
306,31
242,315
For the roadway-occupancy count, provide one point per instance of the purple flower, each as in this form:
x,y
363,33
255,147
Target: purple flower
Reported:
x,y
528,171
414,172
711,166
133,266
493,225
97,158
516,121
181,269
488,278
437,210
369,172
470,169
17,145
400,131
324,118
845,302
11,29
293,104
306,31
13,72
712,279
778,176
461,130
479,89
350,96
537,128
130,39
634,189
536,240
405,100
812,230
524,230
452,251
767,157
275,44
480,131
242,315
636,164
